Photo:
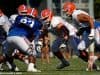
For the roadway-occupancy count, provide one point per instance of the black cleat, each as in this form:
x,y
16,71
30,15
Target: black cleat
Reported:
x,y
95,67
62,65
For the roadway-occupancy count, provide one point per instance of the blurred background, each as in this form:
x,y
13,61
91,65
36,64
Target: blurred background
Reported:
x,y
91,6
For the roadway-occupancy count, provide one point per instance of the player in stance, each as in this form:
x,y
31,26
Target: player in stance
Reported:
x,y
22,11
6,24
69,33
84,23
64,30
25,27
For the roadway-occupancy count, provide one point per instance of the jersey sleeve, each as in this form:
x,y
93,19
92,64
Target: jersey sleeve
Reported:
x,y
2,20
55,21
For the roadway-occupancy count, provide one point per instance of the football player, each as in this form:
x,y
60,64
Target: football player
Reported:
x,y
22,9
25,27
63,29
85,24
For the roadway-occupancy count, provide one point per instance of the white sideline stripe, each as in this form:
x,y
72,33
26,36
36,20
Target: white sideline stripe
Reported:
x,y
12,73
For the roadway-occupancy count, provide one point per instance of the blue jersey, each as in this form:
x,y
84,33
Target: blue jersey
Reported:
x,y
25,26
97,24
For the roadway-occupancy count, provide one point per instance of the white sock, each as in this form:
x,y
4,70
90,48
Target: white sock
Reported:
x,y
30,66
8,65
26,61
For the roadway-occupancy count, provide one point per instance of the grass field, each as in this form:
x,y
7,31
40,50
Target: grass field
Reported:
x,y
77,67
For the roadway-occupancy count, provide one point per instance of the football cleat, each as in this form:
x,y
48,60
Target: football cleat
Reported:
x,y
63,65
95,67
16,69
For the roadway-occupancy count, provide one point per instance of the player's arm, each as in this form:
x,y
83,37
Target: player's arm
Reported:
x,y
62,28
86,18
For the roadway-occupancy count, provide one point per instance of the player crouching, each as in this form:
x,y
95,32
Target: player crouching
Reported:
x,y
26,26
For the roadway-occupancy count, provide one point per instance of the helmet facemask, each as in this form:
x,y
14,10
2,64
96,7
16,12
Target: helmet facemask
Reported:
x,y
46,16
46,22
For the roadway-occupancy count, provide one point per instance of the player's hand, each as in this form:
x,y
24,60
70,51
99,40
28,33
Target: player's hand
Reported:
x,y
91,35
66,37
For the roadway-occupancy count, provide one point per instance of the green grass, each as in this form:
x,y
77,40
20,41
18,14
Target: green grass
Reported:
x,y
77,67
